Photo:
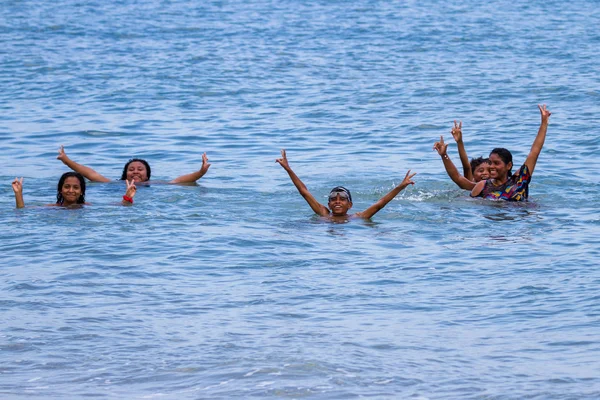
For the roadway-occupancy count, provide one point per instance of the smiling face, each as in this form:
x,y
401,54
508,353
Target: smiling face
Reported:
x,y
71,190
137,172
498,168
339,204
482,172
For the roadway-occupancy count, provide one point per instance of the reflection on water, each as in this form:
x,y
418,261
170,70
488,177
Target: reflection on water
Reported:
x,y
510,211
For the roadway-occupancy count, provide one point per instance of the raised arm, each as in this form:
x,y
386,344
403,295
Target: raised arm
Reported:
x,y
317,207
17,186
194,176
538,143
129,193
369,212
464,160
451,170
82,169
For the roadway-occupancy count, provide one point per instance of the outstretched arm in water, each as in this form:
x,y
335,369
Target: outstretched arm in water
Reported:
x,y
451,170
194,176
82,169
538,143
462,152
369,212
17,186
317,207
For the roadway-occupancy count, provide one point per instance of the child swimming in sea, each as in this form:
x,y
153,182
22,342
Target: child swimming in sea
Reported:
x,y
474,171
70,191
503,184
136,169
340,199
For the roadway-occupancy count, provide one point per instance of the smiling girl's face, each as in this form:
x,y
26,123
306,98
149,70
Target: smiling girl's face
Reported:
x,y
498,168
136,171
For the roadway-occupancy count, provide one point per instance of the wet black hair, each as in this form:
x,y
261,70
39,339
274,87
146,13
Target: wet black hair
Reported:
x,y
124,175
59,197
341,189
476,162
505,155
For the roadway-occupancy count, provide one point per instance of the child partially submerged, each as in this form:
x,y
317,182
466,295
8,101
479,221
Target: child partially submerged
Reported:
x,y
340,199
70,191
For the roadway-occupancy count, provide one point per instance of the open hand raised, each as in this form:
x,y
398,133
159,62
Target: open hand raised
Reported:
x,y
205,164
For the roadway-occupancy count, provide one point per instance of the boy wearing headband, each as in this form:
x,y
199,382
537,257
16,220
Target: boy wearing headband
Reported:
x,y
340,199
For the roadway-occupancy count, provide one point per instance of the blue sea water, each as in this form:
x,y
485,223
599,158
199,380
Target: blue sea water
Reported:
x,y
232,288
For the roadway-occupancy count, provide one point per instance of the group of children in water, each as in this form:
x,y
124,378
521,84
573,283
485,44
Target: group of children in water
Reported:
x,y
489,178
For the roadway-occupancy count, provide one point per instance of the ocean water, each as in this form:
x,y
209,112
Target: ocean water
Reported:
x,y
233,288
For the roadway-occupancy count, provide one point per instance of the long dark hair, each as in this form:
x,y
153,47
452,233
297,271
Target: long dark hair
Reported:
x,y
124,175
59,197
504,156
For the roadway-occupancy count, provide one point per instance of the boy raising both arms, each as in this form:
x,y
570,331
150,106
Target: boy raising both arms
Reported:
x,y
340,199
